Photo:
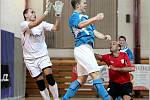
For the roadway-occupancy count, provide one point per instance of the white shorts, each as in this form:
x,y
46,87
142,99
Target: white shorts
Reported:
x,y
86,61
35,66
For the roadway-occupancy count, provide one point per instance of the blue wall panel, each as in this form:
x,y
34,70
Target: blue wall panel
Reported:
x,y
7,64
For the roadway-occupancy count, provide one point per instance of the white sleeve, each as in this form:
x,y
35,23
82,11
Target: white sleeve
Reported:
x,y
47,26
24,26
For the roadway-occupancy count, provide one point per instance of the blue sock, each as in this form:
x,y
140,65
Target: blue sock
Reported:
x,y
101,89
74,86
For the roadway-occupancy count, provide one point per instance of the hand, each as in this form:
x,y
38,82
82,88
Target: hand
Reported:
x,y
96,55
58,8
107,37
100,16
48,7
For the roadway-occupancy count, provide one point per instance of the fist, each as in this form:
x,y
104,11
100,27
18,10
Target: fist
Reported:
x,y
107,37
100,16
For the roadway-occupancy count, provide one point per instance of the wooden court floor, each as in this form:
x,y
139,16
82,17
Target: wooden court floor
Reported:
x,y
81,98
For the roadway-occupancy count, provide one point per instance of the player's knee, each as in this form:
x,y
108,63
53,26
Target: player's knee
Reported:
x,y
127,97
50,79
41,85
95,75
82,79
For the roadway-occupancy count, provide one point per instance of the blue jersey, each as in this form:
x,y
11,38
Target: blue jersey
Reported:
x,y
81,35
129,52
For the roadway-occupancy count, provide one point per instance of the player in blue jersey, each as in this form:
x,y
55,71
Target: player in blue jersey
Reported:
x,y
124,48
84,33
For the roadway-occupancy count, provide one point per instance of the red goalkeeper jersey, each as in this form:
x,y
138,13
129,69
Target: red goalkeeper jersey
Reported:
x,y
121,61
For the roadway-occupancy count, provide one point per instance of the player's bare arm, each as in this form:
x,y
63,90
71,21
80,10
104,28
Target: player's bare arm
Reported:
x,y
56,25
98,17
41,18
124,69
101,36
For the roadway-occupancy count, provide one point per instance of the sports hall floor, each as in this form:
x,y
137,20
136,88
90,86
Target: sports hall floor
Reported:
x,y
77,98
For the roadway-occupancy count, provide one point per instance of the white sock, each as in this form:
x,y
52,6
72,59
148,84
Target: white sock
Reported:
x,y
45,94
54,91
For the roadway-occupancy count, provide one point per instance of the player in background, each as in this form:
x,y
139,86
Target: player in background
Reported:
x,y
124,48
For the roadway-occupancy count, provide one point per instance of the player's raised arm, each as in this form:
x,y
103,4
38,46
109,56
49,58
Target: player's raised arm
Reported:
x,y
85,23
58,6
41,18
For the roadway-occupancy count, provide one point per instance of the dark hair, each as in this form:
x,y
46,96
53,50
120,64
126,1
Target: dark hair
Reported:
x,y
74,3
24,12
122,37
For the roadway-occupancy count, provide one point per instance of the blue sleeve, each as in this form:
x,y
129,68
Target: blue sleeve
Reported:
x,y
93,27
130,54
74,20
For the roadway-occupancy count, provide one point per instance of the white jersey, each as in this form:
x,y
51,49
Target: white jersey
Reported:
x,y
33,40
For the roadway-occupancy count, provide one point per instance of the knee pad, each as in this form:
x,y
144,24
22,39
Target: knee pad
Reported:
x,y
41,85
50,79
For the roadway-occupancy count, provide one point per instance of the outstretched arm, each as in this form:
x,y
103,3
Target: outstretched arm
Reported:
x,y
124,69
56,25
127,68
41,18
85,23
101,36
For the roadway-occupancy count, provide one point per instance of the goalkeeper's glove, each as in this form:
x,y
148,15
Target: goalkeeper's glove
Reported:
x,y
58,8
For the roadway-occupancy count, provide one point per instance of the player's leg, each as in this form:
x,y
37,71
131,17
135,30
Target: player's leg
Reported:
x,y
85,57
45,65
113,89
41,85
97,83
36,73
51,81
126,91
74,86
127,97
81,71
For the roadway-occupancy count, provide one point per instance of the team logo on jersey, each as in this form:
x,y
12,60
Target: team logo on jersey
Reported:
x,y
36,35
111,62
122,61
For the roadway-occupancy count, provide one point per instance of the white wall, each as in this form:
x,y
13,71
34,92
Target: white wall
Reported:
x,y
145,26
11,14
37,5
126,29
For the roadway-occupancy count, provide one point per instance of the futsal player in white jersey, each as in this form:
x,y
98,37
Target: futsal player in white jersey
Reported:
x,y
84,32
35,49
